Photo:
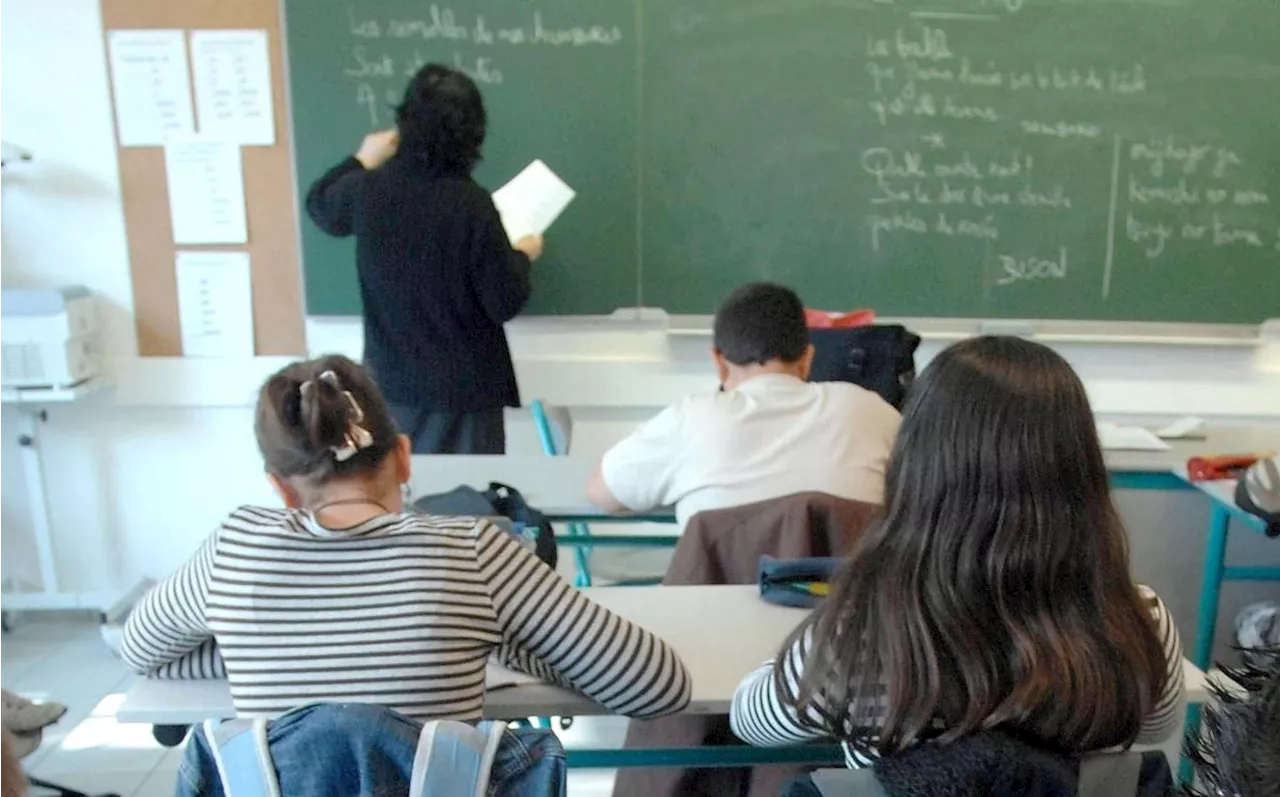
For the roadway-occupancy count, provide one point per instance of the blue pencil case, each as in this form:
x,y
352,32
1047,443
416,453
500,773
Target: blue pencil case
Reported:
x,y
796,582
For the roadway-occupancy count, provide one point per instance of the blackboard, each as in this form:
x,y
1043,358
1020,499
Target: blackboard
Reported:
x,y
1089,159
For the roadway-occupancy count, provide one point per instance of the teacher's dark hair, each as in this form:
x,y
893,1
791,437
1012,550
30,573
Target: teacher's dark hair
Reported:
x,y
297,430
442,117
761,322
995,590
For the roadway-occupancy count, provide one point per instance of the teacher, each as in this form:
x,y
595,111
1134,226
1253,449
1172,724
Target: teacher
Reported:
x,y
438,275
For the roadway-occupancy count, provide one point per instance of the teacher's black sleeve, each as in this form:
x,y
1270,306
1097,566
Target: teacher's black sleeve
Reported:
x,y
500,273
331,202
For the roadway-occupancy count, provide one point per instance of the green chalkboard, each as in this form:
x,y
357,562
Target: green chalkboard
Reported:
x,y
555,88
1090,159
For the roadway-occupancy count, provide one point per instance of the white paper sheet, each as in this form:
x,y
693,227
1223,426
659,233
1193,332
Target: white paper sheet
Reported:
x,y
531,201
206,191
1115,437
149,80
215,304
233,85
1189,428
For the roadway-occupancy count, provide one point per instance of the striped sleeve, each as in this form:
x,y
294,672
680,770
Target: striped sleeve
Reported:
x,y
545,621
762,714
1165,716
201,664
170,622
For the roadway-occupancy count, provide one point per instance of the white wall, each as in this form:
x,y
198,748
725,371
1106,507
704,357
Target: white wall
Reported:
x,y
138,476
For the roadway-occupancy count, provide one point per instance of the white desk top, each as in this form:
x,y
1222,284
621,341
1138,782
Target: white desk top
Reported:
x,y
561,481
721,633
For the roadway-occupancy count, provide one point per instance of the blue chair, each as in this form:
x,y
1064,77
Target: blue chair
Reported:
x,y
555,431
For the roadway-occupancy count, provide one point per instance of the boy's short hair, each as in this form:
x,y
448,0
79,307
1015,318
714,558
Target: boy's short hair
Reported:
x,y
761,322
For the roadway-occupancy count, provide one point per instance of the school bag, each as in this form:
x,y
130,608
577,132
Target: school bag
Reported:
x,y
880,358
502,501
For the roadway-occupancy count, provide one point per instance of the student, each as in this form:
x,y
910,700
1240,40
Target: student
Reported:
x,y
438,276
995,592
343,597
767,434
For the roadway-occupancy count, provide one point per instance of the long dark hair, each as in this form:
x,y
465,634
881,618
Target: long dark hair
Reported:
x,y
995,590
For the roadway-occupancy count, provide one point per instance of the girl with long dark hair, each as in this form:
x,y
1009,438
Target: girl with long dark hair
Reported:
x,y
994,594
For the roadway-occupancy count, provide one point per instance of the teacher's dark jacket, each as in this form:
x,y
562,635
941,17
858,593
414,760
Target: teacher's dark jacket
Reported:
x,y
438,279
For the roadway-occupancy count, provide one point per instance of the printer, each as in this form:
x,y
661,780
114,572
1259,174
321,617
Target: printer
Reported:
x,y
49,337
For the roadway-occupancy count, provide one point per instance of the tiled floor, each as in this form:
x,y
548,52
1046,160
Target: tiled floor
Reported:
x,y
67,661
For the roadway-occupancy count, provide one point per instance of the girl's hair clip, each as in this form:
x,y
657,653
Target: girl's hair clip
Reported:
x,y
357,438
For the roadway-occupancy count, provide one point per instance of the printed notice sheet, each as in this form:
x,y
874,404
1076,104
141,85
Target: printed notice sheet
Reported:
x,y
215,304
206,191
149,80
233,85
531,201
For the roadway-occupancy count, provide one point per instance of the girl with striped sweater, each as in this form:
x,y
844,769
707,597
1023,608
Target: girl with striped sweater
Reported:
x,y
343,596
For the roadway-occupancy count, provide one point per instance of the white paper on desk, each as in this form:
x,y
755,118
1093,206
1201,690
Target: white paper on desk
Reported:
x,y
150,84
215,304
233,85
206,191
1115,437
498,677
531,201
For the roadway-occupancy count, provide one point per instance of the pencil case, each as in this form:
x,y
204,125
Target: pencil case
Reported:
x,y
796,582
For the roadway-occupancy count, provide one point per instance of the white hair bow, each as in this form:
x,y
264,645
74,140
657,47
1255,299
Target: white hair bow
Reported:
x,y
357,438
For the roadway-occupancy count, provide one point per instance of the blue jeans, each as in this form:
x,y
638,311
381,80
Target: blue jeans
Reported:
x,y
355,749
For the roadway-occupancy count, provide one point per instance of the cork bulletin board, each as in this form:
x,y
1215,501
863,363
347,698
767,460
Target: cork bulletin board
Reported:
x,y
271,209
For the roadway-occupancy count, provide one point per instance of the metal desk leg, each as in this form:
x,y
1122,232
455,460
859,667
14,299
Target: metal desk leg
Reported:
x,y
1211,587
38,499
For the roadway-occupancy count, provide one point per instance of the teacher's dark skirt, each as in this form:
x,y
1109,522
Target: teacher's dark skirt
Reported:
x,y
452,432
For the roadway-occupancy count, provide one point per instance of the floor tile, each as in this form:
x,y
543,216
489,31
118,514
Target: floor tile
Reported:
x,y
99,784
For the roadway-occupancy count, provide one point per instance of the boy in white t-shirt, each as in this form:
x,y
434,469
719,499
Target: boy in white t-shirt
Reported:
x,y
766,434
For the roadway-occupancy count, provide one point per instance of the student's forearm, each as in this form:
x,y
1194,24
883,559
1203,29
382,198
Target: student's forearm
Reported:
x,y
599,494
762,717
169,622
619,665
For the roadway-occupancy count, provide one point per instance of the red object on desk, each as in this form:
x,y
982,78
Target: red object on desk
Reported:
x,y
822,319
1227,466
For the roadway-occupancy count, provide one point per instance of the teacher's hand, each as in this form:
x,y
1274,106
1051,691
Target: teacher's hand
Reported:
x,y
377,148
531,245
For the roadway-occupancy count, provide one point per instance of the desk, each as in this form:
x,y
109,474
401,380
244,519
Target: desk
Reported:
x,y
556,485
1222,495
731,634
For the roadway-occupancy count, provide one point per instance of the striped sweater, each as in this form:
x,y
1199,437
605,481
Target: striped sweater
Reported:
x,y
760,715
401,611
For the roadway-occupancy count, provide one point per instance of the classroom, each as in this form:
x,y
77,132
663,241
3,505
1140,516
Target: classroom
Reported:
x,y
1088,189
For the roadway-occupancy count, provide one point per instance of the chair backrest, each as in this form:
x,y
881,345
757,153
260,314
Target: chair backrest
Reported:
x,y
555,428
243,757
450,758
724,546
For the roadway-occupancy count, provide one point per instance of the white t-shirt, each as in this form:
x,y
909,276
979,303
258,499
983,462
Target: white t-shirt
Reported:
x,y
773,435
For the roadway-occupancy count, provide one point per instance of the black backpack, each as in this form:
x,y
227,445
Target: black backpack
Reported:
x,y
501,501
880,358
